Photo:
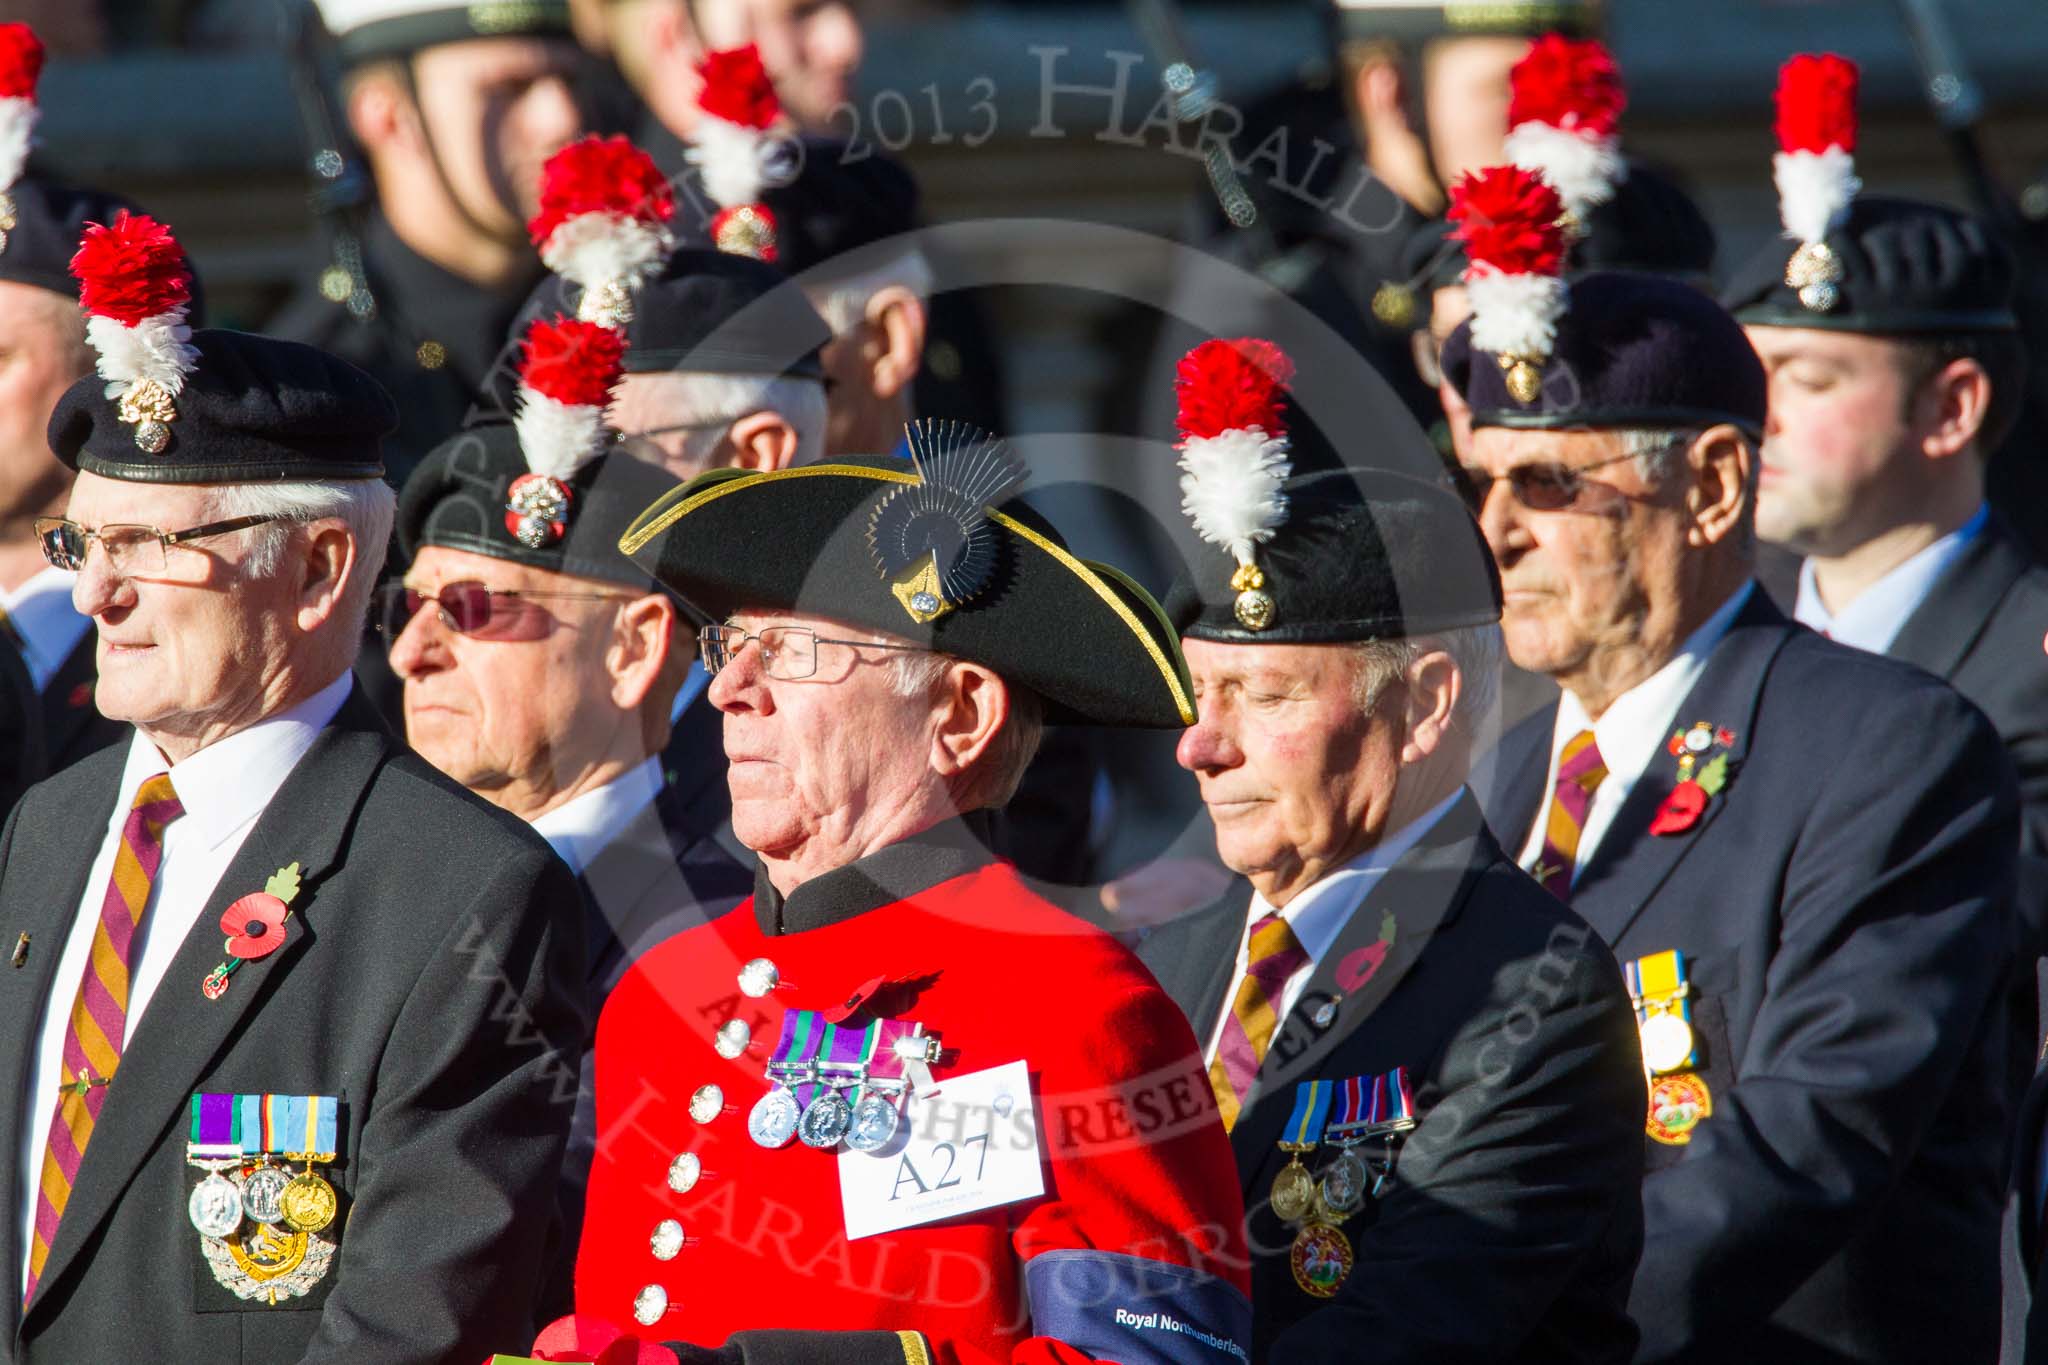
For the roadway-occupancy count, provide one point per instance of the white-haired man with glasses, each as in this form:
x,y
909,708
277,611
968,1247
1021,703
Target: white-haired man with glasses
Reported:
x,y
1803,855
281,996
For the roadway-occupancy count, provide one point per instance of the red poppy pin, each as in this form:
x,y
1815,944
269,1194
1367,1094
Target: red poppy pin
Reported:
x,y
81,696
254,925
1360,965
1702,754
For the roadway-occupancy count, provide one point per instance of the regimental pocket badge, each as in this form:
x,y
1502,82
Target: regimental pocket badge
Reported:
x,y
266,1229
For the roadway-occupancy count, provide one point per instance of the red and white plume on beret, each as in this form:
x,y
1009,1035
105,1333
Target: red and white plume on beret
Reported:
x,y
1564,107
1511,222
1233,456
567,370
603,223
1815,168
135,287
21,66
740,106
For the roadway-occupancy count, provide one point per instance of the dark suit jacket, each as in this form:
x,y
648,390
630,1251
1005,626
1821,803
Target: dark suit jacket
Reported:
x,y
1845,910
23,756
1511,1227
429,979
72,724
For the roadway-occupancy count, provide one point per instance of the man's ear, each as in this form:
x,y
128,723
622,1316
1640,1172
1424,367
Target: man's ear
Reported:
x,y
380,113
762,442
974,705
1952,405
1431,688
896,317
326,562
642,633
1722,464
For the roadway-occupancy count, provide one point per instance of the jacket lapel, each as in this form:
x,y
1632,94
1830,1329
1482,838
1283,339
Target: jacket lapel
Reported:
x,y
1509,781
1424,891
1631,863
66,712
46,882
1957,609
181,1032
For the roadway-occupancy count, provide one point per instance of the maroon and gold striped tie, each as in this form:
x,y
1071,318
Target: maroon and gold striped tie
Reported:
x,y
1273,956
99,1017
1580,770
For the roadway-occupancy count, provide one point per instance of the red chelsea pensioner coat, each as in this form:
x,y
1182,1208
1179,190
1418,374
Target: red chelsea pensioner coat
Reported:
x,y
1141,1194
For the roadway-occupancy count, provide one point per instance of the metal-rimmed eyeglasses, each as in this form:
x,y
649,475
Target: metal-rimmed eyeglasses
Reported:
x,y
789,653
131,550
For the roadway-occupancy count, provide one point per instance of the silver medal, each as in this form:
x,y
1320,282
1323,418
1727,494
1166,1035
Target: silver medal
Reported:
x,y
732,1038
1344,1182
874,1123
215,1206
758,978
774,1118
263,1194
825,1120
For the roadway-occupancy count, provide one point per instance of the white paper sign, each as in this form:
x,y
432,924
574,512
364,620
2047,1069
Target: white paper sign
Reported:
x,y
974,1145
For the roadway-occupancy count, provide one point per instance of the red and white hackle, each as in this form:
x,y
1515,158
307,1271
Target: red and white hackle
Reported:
x,y
733,142
1233,456
1815,169
1564,112
1512,225
603,223
21,66
135,288
567,371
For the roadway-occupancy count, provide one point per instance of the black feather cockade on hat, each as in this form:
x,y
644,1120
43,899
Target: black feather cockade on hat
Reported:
x,y
932,540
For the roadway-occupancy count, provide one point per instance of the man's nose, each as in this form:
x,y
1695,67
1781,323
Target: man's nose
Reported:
x,y
741,685
422,645
98,588
1206,747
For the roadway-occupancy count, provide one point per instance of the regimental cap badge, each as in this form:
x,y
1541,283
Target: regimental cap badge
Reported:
x,y
567,371
1233,456
21,66
603,223
136,289
736,149
1512,224
932,541
1815,170
1564,111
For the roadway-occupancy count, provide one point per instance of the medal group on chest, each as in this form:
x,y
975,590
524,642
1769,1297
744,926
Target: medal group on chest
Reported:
x,y
260,1222
1363,1120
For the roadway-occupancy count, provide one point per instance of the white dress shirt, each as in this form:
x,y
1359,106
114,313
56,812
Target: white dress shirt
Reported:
x,y
50,627
1630,733
223,788
1873,618
1318,914
581,829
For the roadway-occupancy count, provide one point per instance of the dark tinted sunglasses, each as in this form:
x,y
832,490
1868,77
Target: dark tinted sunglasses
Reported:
x,y
474,609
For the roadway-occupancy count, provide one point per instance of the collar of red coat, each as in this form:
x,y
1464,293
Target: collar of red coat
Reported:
x,y
886,876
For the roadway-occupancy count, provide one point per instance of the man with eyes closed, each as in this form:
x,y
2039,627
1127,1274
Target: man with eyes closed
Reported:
x,y
1802,854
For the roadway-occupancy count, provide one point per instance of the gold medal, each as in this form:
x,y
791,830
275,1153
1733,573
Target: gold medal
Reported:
x,y
1677,1104
1667,1043
1320,1258
309,1202
1294,1191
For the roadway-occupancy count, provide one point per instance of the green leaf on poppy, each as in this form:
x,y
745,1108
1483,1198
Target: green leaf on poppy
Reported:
x,y
1714,776
1387,926
285,884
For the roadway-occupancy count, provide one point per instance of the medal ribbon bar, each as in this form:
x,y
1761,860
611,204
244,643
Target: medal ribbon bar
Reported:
x,y
1311,1109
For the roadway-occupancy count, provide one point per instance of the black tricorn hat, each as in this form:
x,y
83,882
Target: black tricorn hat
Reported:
x,y
1364,554
459,498
941,553
1631,351
1907,268
254,409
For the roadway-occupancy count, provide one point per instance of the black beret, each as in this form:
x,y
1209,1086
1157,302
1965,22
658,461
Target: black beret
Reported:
x,y
1631,351
371,30
1651,226
255,409
1907,268
851,540
1364,554
458,499
838,201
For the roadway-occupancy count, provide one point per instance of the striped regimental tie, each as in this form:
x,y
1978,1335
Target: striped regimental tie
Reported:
x,y
1274,956
99,1017
1580,770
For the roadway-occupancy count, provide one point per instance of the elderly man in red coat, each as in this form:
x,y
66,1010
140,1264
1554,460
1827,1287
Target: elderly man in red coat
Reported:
x,y
897,1107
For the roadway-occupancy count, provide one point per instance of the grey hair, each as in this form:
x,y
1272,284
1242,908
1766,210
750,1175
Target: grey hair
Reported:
x,y
1014,746
1476,649
1657,449
843,303
366,506
701,396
